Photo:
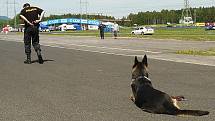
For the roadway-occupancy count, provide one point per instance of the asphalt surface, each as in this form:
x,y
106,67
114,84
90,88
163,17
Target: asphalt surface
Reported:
x,y
156,48
76,85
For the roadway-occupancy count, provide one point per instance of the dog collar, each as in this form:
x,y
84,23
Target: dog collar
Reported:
x,y
147,78
142,77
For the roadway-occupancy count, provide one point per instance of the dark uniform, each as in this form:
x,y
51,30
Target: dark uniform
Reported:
x,y
31,32
101,28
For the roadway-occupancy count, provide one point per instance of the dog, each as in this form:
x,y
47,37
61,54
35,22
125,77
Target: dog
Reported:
x,y
151,100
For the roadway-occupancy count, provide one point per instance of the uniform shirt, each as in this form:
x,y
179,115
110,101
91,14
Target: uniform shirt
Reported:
x,y
101,27
32,14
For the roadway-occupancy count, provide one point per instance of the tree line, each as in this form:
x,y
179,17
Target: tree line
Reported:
x,y
201,14
83,16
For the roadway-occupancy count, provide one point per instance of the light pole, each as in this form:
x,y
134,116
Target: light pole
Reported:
x,y
14,5
7,12
86,8
15,23
81,14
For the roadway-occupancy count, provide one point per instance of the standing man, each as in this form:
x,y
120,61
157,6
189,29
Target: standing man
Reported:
x,y
115,30
32,16
101,28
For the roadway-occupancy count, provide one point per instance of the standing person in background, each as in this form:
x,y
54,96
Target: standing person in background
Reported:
x,y
5,29
115,30
101,28
32,16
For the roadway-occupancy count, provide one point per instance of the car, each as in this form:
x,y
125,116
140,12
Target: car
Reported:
x,y
143,31
210,28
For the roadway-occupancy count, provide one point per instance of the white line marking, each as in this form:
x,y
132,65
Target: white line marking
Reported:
x,y
102,52
178,61
128,55
90,46
110,48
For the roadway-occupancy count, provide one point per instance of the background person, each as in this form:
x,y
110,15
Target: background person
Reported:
x,y
115,30
101,28
32,16
5,29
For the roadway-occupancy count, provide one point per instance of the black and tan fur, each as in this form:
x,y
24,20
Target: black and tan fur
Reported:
x,y
151,100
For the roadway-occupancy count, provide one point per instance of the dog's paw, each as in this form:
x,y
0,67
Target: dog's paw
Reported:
x,y
179,98
132,98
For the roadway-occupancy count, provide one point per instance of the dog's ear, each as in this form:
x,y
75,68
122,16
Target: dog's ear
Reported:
x,y
136,60
145,61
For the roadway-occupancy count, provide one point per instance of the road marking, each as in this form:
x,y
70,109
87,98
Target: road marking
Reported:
x,y
180,61
91,46
103,52
109,48
129,55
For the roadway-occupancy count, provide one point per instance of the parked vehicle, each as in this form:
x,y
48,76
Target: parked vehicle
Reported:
x,y
143,31
66,27
210,28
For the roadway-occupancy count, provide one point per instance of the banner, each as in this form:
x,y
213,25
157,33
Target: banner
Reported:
x,y
71,20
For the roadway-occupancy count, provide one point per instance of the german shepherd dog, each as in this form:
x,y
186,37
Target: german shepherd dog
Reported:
x,y
152,100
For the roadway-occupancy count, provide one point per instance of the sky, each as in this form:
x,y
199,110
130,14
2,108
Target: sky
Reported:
x,y
116,8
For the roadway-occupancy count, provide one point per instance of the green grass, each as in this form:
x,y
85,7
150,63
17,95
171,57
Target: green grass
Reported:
x,y
209,52
194,34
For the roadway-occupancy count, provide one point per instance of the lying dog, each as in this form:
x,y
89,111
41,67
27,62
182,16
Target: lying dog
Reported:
x,y
152,100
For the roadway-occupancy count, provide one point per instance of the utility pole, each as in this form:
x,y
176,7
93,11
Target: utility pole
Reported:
x,y
81,14
85,3
186,13
14,7
7,12
195,15
86,7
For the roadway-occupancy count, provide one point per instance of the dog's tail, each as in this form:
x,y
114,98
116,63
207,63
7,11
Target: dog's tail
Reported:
x,y
192,112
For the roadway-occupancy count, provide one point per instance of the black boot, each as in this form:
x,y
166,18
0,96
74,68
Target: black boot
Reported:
x,y
40,59
28,60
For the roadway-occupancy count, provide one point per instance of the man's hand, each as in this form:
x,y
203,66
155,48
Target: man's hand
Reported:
x,y
31,24
37,21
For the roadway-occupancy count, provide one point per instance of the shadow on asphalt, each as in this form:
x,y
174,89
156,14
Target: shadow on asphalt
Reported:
x,y
36,61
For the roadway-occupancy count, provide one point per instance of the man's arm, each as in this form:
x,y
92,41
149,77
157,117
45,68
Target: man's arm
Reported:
x,y
41,17
26,20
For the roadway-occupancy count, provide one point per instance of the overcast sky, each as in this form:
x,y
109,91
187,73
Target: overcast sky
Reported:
x,y
117,8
